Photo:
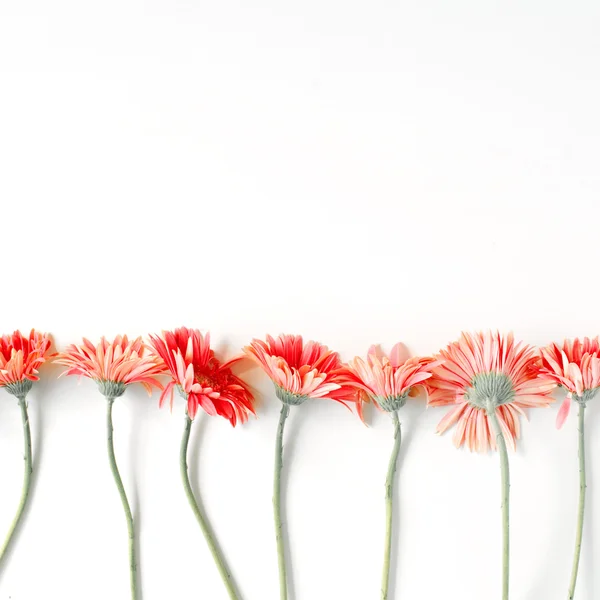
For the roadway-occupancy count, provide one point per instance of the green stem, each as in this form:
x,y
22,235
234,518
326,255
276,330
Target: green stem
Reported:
x,y
28,470
582,487
285,411
123,495
389,506
505,489
204,526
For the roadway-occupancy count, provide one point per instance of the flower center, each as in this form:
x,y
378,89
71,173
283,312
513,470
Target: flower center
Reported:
x,y
288,397
490,390
587,395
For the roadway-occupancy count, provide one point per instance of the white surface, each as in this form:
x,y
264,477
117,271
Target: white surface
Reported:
x,y
355,172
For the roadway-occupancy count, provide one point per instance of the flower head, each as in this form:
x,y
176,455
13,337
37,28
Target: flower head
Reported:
x,y
20,359
113,365
575,366
201,378
486,372
301,371
388,381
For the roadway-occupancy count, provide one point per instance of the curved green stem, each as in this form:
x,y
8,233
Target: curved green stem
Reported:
x,y
28,470
582,487
504,494
126,508
285,411
389,506
204,526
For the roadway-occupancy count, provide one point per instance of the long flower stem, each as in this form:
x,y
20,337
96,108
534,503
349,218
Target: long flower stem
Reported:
x,y
505,494
126,508
285,411
389,506
582,487
28,470
202,521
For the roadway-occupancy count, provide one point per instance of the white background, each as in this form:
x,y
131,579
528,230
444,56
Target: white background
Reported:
x,y
357,172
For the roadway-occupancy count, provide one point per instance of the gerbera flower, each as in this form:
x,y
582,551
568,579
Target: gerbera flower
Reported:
x,y
114,366
20,359
388,382
200,377
489,380
206,382
576,367
299,371
487,373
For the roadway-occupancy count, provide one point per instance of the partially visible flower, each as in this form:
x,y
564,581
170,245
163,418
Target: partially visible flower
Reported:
x,y
20,359
388,381
575,366
200,377
113,365
485,372
301,371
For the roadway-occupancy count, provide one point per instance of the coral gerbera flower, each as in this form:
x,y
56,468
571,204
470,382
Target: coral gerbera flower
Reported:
x,y
490,380
20,359
302,371
487,373
203,381
113,365
575,366
200,377
299,371
388,382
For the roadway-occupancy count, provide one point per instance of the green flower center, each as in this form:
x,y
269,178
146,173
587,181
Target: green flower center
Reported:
x,y
391,403
289,398
490,390
111,389
20,389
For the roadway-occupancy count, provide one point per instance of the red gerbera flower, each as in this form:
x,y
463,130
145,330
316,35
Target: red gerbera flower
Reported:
x,y
21,357
200,377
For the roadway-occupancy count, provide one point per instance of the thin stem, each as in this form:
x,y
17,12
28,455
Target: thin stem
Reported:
x,y
126,508
285,411
582,487
389,506
202,521
504,494
28,470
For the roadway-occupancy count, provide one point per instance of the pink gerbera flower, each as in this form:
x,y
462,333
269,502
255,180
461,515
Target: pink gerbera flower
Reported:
x,y
389,381
486,373
20,359
575,366
301,371
200,377
113,365
489,380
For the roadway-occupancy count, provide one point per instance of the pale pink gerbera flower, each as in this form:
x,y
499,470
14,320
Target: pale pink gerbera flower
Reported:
x,y
484,374
388,382
20,358
299,371
114,366
489,380
575,366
